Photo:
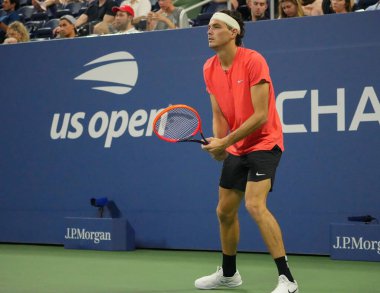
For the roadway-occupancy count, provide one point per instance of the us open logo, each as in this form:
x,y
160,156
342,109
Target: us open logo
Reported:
x,y
116,73
120,70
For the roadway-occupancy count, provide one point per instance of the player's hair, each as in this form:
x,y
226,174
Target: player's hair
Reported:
x,y
237,16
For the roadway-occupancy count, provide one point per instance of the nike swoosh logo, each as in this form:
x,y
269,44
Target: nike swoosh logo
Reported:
x,y
259,174
240,81
292,291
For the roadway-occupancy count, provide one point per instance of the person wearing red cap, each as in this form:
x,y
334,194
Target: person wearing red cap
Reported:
x,y
123,20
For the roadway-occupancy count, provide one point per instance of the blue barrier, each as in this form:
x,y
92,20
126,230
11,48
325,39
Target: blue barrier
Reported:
x,y
98,234
75,123
355,241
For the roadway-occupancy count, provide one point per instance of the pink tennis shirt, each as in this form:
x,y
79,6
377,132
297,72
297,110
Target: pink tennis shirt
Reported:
x,y
231,90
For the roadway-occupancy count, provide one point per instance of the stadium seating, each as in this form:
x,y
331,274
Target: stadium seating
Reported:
x,y
25,12
46,31
33,25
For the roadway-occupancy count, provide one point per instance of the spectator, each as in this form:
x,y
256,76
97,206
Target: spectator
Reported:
x,y
258,9
17,33
193,13
124,19
123,23
140,7
66,27
41,6
235,4
99,10
290,8
373,7
218,5
361,5
10,7
326,7
312,7
168,17
51,6
341,6
242,7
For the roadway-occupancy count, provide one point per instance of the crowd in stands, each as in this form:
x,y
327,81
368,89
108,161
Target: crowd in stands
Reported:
x,y
25,20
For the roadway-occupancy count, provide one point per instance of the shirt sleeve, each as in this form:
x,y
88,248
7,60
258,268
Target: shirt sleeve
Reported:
x,y
90,11
177,18
206,78
258,69
109,6
143,8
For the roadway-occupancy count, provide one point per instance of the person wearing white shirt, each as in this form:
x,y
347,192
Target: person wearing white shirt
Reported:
x,y
376,6
140,7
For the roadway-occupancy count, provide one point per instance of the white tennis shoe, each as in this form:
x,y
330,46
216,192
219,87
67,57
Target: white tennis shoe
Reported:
x,y
217,279
285,286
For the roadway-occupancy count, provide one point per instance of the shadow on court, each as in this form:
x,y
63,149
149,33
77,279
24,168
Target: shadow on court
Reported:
x,y
220,290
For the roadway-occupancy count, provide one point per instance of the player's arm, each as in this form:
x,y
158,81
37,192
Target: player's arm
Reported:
x,y
219,123
260,99
220,129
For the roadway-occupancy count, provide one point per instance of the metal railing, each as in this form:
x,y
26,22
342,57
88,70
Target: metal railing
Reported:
x,y
182,19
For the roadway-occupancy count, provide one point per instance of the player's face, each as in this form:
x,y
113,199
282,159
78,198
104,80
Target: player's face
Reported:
x,y
219,34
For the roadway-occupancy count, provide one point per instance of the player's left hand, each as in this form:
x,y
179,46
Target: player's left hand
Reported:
x,y
216,147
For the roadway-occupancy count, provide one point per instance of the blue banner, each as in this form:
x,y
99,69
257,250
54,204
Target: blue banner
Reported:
x,y
76,123
98,234
355,242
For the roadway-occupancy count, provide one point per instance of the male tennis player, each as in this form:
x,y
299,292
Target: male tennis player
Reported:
x,y
248,137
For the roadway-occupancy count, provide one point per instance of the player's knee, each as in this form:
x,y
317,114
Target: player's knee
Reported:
x,y
226,217
256,210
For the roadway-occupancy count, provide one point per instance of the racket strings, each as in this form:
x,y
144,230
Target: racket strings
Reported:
x,y
177,124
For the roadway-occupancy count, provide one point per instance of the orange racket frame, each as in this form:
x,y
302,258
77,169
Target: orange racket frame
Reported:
x,y
187,139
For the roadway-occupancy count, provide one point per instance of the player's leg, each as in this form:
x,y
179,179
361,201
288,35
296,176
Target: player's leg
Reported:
x,y
227,211
263,165
255,202
255,198
231,188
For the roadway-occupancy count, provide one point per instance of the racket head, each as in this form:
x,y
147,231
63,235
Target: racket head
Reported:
x,y
177,123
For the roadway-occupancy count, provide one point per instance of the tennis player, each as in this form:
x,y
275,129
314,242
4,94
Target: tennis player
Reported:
x,y
248,138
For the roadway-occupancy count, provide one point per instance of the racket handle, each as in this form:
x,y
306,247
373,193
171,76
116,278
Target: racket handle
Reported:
x,y
204,142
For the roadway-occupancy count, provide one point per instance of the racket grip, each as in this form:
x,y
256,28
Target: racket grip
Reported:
x,y
205,142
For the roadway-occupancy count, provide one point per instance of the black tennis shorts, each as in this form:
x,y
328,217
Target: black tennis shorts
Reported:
x,y
255,166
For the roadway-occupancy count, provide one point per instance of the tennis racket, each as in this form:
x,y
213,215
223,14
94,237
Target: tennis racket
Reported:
x,y
178,123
